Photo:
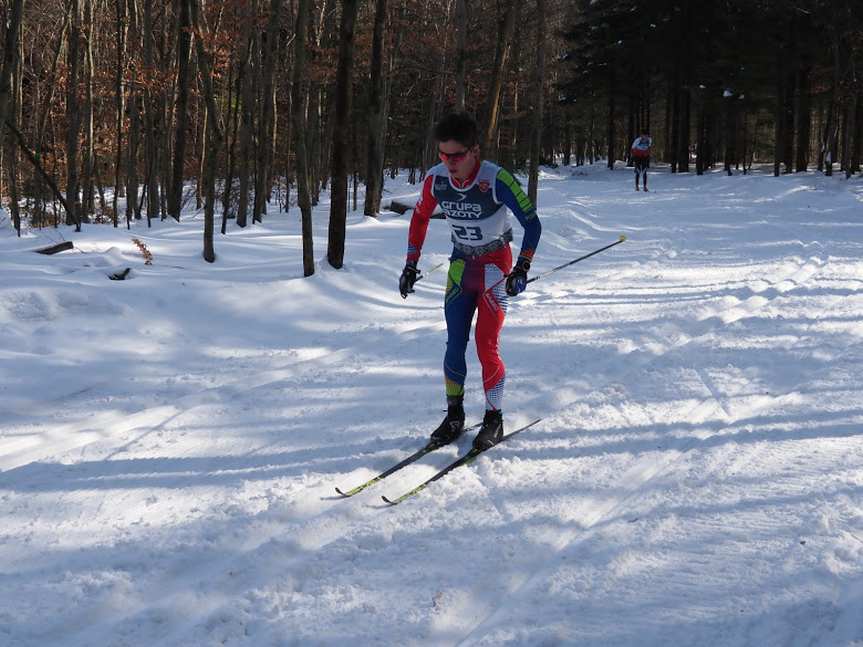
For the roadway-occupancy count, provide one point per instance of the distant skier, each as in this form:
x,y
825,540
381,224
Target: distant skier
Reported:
x,y
640,151
474,196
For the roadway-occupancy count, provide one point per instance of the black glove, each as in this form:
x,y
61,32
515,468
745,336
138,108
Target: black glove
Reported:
x,y
409,276
516,282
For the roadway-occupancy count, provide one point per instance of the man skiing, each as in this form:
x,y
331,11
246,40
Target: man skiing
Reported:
x,y
640,151
475,196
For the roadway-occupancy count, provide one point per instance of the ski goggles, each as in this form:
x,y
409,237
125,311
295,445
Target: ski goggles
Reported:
x,y
453,157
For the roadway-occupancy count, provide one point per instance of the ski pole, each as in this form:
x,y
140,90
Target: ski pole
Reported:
x,y
580,258
438,266
560,267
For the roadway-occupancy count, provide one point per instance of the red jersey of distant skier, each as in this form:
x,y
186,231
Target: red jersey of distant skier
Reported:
x,y
641,146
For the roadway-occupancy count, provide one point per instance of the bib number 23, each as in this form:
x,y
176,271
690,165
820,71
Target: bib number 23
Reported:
x,y
467,233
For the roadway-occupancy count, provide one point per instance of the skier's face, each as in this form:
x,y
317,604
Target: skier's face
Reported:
x,y
458,158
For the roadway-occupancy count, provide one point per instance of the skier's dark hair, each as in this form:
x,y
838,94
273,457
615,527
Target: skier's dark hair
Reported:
x,y
458,126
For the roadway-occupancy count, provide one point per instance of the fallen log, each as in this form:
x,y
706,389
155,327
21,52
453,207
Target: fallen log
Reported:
x,y
399,207
53,249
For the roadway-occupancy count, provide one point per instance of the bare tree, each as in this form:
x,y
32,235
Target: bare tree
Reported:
x,y
247,101
374,161
804,119
184,47
341,125
205,72
10,62
539,103
151,121
266,121
299,104
88,160
133,209
460,52
120,98
493,100
73,117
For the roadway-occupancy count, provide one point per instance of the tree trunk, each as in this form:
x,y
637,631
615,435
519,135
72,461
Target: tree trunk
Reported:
x,y
804,120
338,167
314,138
165,106
120,97
316,143
610,130
10,152
567,138
374,161
215,131
151,123
184,47
89,158
132,209
460,53
701,134
299,102
831,126
209,252
73,116
247,99
857,148
10,58
631,127
683,125
788,68
778,127
132,180
788,126
539,103
673,153
388,82
10,162
355,162
520,141
848,132
200,145
231,136
493,101
646,98
10,63
266,122
731,101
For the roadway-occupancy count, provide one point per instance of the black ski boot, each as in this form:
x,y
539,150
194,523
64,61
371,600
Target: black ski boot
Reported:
x,y
452,426
491,432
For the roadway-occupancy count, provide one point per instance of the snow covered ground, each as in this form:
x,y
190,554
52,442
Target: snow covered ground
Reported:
x,y
170,444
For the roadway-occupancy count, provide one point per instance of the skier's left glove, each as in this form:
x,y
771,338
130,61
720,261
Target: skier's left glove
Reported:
x,y
516,282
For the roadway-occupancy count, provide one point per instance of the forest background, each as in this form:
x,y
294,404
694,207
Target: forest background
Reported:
x,y
123,110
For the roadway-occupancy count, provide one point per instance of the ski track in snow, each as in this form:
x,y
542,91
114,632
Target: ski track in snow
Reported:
x,y
635,480
699,471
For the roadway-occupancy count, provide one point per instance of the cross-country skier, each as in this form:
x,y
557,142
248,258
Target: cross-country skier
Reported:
x,y
475,196
640,151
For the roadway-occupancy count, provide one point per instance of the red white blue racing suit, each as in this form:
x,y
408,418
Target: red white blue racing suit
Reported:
x,y
640,151
477,212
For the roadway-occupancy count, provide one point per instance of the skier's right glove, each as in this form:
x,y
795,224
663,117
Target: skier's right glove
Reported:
x,y
408,278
